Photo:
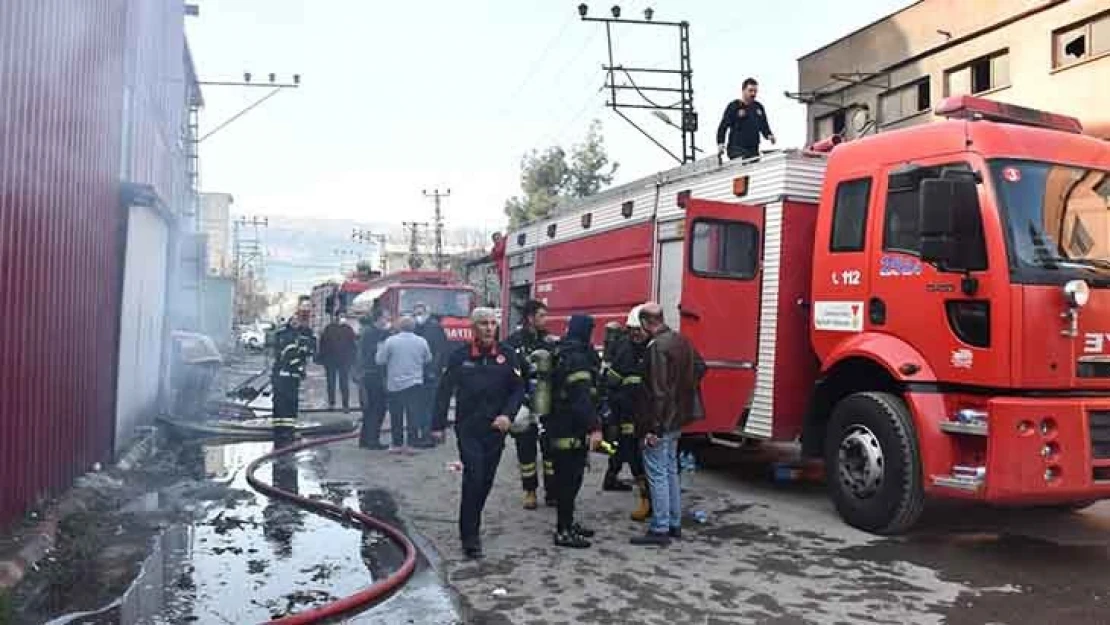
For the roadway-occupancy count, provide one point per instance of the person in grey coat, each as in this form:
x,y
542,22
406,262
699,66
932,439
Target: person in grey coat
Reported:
x,y
404,356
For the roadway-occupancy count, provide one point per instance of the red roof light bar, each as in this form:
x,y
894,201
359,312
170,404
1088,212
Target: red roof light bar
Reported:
x,y
971,108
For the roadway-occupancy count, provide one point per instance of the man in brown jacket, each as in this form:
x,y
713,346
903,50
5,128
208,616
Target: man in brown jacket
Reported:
x,y
673,369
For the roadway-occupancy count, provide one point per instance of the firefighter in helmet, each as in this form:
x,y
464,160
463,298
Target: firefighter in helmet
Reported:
x,y
625,379
573,427
612,418
532,337
294,347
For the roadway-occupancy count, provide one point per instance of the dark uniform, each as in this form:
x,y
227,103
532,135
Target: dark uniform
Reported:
x,y
373,384
486,384
525,341
573,417
625,382
744,123
294,347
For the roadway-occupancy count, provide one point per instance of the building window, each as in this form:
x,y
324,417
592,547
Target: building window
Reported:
x,y
725,249
830,124
905,101
1082,41
849,226
983,74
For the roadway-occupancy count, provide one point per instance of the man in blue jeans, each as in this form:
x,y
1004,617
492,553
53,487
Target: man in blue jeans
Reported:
x,y
673,371
404,356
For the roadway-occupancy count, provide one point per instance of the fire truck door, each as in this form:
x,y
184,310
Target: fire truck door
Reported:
x,y
720,304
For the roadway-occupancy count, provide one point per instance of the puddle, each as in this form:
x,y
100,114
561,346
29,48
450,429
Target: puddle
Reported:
x,y
247,558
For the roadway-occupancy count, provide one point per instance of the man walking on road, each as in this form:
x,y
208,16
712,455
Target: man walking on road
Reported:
x,y
404,356
485,380
373,380
744,121
672,387
338,346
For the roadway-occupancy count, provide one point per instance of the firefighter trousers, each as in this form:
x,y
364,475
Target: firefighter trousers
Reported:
x,y
527,444
480,451
570,468
627,450
286,400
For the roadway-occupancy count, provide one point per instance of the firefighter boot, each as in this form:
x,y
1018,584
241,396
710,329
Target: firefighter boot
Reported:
x,y
530,500
643,511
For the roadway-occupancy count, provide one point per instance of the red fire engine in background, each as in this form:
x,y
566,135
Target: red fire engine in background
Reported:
x,y
440,291
928,309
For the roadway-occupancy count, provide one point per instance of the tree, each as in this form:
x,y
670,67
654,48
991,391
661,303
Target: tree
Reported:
x,y
547,178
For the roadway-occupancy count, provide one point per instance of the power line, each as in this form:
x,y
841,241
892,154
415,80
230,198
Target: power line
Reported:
x,y
531,73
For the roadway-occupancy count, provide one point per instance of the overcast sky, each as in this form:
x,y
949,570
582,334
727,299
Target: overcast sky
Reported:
x,y
402,96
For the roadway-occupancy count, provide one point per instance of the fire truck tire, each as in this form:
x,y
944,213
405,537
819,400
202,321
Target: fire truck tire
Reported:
x,y
872,463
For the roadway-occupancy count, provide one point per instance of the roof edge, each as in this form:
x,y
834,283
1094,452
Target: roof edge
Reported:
x,y
859,30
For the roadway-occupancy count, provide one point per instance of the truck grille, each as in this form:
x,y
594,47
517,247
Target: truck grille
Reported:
x,y
1099,424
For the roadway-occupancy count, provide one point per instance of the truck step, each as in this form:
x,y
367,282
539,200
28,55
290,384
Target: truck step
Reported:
x,y
963,478
971,429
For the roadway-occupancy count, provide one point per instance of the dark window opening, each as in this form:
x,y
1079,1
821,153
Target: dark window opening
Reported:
x,y
849,226
725,249
924,98
902,220
981,76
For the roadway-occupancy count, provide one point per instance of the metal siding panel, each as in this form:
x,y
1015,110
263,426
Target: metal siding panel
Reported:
x,y
59,73
761,415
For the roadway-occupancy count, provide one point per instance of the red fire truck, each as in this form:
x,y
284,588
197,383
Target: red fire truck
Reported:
x,y
927,310
336,295
440,291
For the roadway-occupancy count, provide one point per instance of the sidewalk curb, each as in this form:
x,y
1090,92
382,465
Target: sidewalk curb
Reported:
x,y
39,539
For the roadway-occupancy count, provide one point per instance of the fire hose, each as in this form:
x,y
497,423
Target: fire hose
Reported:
x,y
375,592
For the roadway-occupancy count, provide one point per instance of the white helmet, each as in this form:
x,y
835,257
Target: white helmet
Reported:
x,y
634,317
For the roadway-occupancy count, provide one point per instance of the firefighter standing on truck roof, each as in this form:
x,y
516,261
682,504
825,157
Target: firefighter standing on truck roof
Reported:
x,y
625,378
532,336
294,347
744,121
485,380
573,428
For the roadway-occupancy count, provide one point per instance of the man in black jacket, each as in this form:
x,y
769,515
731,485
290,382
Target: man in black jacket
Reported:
x,y
744,121
429,328
485,380
373,380
573,427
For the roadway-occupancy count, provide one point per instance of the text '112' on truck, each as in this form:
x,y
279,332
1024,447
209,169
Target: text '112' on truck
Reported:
x,y
927,310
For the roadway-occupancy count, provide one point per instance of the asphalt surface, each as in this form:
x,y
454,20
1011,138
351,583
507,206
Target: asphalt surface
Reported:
x,y
767,553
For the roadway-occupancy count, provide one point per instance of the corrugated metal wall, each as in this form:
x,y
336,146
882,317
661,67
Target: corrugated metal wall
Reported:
x,y
60,240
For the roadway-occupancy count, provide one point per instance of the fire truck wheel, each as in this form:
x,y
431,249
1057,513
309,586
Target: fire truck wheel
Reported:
x,y
872,463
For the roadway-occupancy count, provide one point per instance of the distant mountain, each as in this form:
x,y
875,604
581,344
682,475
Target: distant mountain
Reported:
x,y
301,252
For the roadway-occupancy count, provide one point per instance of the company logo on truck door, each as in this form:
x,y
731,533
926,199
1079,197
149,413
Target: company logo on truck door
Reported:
x,y
463,333
1095,342
838,316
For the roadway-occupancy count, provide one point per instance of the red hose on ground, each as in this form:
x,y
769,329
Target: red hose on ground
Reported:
x,y
368,595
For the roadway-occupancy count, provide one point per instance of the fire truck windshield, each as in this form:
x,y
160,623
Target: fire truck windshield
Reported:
x,y
1058,217
443,302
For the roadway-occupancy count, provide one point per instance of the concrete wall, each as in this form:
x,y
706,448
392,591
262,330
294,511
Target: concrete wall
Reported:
x,y
219,302
908,46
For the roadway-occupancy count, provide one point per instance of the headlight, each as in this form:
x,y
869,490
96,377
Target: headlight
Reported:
x,y
1077,293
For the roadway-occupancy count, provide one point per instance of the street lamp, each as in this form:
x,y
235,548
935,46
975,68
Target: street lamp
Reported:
x,y
583,9
649,13
616,12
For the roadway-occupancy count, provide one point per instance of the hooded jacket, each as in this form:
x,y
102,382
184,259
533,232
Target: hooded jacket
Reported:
x,y
575,379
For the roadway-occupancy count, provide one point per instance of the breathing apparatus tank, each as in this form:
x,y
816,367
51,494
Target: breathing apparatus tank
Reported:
x,y
542,364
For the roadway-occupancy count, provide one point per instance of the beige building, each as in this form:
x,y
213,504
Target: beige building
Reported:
x,y
1046,54
215,221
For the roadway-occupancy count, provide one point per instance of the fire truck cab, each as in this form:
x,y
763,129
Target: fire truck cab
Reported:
x,y
440,292
927,310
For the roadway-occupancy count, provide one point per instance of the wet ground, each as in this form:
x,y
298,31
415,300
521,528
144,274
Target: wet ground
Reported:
x,y
187,540
767,553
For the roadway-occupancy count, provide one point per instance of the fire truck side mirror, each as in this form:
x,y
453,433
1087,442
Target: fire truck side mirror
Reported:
x,y
951,225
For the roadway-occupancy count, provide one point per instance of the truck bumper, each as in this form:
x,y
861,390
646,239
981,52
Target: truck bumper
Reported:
x,y
1047,451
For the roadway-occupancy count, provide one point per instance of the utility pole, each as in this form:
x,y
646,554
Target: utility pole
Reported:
x,y
415,261
361,235
249,260
688,124
437,196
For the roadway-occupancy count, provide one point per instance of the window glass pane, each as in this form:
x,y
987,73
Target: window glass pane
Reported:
x,y
1071,45
725,248
959,81
850,216
890,107
1100,35
902,222
1000,70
